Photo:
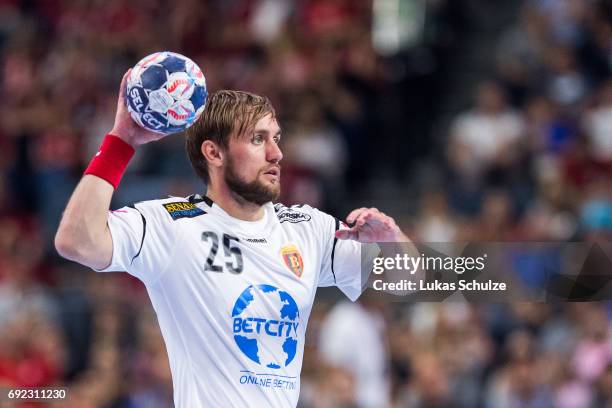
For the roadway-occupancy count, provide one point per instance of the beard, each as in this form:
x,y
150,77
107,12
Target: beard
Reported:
x,y
254,191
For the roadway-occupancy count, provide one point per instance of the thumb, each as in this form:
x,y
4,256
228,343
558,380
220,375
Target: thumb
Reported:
x,y
123,88
346,234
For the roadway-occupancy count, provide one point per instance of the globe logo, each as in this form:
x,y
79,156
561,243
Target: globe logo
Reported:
x,y
265,324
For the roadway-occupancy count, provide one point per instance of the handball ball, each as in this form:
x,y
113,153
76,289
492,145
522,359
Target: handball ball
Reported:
x,y
166,92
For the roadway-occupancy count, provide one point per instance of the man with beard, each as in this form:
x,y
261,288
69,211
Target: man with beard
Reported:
x,y
231,276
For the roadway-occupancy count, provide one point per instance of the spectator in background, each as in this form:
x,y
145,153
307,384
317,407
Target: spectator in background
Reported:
x,y
564,81
430,385
563,18
519,383
151,385
548,132
496,220
353,338
548,216
316,146
486,137
594,47
596,212
519,53
486,148
335,388
593,350
598,127
435,223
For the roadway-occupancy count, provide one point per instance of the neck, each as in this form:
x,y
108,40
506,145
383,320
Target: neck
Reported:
x,y
233,204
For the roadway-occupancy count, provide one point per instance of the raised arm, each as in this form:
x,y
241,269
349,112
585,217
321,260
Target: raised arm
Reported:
x,y
83,235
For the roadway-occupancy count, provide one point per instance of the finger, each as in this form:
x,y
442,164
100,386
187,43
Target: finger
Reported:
x,y
390,223
347,234
354,214
125,79
359,213
363,218
123,86
378,217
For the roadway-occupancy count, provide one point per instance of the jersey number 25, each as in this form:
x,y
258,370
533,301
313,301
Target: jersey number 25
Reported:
x,y
233,254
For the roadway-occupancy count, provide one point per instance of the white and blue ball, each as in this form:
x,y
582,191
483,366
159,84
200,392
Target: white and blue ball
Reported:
x,y
166,92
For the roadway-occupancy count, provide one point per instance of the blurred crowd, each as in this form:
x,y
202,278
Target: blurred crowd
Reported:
x,y
529,160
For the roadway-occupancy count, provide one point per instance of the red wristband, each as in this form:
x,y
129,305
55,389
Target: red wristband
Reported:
x,y
111,160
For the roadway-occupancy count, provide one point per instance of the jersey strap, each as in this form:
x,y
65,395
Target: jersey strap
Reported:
x,y
144,232
334,249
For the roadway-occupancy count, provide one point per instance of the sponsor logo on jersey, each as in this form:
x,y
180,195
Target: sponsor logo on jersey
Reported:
x,y
182,209
265,324
293,259
265,380
256,240
292,215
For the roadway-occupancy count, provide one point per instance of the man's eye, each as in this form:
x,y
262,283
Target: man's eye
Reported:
x,y
277,139
257,139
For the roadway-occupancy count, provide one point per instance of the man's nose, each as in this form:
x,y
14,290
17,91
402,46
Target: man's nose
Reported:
x,y
274,153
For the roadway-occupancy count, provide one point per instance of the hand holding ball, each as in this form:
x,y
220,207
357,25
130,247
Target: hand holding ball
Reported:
x,y
166,92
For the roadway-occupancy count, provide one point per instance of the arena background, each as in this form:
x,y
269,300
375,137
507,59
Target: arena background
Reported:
x,y
473,120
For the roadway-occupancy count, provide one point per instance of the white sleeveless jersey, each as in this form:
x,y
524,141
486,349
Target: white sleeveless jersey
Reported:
x,y
233,297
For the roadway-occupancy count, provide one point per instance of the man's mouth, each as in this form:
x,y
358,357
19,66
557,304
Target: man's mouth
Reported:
x,y
274,171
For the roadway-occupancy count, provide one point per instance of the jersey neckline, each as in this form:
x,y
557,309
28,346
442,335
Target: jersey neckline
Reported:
x,y
250,227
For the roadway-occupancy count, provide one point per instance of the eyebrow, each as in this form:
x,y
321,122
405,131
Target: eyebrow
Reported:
x,y
249,134
266,131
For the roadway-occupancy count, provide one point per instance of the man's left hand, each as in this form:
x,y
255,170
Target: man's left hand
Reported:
x,y
371,225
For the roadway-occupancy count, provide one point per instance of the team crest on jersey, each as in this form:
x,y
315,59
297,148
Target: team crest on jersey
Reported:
x,y
183,209
291,215
293,259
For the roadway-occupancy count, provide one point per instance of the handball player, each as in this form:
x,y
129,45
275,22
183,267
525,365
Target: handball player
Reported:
x,y
231,276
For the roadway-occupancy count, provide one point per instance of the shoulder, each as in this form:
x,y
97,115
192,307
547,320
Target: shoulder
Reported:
x,y
171,208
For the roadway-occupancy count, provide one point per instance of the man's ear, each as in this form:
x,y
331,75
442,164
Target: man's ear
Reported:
x,y
213,153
